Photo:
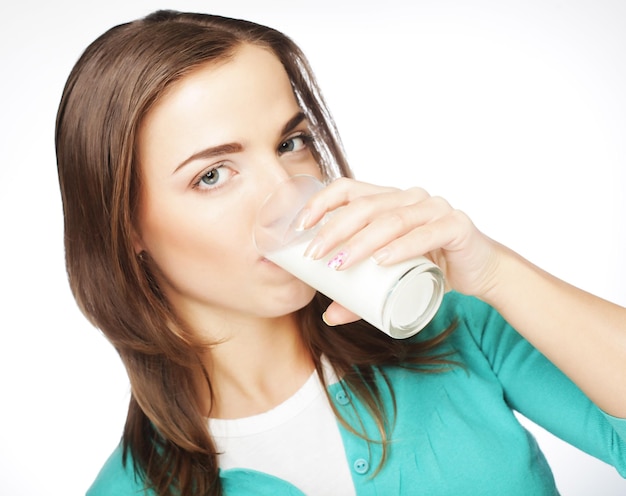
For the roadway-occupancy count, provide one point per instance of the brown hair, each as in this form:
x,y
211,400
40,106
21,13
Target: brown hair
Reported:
x,y
108,93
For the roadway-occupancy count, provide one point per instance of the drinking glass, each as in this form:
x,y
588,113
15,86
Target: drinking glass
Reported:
x,y
399,299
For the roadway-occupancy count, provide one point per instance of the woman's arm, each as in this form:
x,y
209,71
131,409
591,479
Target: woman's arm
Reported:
x,y
581,334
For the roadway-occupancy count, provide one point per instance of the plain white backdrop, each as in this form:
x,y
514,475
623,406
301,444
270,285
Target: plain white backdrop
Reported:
x,y
514,111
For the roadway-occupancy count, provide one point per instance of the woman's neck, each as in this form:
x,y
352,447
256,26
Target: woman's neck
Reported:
x,y
257,368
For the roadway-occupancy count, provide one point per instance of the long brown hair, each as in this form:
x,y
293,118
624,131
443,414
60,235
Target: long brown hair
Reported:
x,y
113,85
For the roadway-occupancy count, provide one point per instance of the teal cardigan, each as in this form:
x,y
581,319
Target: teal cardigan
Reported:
x,y
454,432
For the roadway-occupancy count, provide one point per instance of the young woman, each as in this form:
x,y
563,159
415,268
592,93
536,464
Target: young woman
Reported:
x,y
171,131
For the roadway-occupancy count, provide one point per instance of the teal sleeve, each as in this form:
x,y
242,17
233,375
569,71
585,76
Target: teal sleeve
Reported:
x,y
115,479
538,390
618,424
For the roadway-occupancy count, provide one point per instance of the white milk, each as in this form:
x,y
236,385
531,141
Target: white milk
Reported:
x,y
399,299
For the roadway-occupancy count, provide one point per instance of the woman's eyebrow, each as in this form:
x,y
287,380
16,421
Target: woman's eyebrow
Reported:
x,y
211,152
226,148
293,122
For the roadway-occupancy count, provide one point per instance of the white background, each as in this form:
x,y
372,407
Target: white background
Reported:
x,y
514,111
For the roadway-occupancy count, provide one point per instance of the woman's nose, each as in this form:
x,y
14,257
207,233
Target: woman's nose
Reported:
x,y
271,174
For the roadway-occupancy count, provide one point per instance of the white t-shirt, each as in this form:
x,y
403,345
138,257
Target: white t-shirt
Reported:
x,y
298,441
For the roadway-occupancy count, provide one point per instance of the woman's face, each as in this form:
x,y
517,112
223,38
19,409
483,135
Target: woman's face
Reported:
x,y
210,151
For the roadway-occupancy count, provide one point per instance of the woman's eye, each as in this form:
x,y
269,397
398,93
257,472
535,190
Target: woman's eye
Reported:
x,y
294,144
213,178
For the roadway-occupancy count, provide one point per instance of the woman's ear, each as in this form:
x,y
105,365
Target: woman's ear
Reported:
x,y
138,245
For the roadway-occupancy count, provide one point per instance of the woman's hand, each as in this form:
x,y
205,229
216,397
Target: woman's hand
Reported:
x,y
391,225
583,335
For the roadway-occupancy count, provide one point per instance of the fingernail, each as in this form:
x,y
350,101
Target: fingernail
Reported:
x,y
380,256
303,219
338,260
324,318
314,248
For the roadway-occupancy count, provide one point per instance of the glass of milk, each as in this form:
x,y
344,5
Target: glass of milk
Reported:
x,y
399,299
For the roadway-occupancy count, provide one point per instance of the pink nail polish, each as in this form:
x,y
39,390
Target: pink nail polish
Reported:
x,y
338,260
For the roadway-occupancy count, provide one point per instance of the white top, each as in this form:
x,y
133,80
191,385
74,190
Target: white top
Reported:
x,y
296,441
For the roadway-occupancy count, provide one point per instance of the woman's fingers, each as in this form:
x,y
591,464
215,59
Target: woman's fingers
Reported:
x,y
369,223
339,193
391,225
447,232
401,233
335,314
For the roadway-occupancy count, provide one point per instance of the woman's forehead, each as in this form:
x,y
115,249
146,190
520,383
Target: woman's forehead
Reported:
x,y
249,94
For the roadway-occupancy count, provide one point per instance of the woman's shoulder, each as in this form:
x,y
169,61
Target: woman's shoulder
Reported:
x,y
117,477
